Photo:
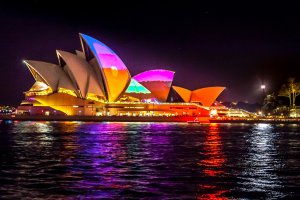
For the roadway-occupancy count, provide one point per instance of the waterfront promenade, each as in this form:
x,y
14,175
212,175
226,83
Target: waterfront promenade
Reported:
x,y
149,119
257,120
104,118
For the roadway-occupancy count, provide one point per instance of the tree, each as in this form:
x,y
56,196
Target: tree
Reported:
x,y
270,103
291,89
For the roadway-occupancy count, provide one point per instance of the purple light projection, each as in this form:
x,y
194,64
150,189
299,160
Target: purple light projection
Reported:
x,y
158,82
116,74
155,75
107,57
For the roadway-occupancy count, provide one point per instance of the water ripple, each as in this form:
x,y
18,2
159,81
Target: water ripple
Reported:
x,y
68,160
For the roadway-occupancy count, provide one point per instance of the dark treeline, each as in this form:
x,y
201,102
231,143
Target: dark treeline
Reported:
x,y
282,101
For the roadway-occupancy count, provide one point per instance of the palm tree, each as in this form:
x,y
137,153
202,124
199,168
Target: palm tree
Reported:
x,y
291,89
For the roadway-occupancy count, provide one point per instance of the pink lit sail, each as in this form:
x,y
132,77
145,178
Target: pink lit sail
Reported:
x,y
158,82
115,73
155,75
108,58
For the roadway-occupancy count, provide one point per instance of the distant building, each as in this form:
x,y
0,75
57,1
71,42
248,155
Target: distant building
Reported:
x,y
7,110
95,81
295,112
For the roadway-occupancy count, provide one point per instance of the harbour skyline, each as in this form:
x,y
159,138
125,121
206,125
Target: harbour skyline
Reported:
x,y
238,48
96,82
149,99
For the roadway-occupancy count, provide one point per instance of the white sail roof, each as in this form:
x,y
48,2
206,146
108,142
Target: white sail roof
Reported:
x,y
80,73
50,74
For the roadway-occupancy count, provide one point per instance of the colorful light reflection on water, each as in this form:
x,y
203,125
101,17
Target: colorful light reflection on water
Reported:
x,y
212,164
154,160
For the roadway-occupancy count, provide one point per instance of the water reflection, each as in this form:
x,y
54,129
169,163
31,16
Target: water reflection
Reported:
x,y
115,158
91,167
261,162
32,127
212,164
59,160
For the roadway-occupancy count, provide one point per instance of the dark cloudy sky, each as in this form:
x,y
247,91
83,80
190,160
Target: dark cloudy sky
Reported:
x,y
234,45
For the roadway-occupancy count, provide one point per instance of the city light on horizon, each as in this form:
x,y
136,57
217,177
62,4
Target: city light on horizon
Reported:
x,y
149,99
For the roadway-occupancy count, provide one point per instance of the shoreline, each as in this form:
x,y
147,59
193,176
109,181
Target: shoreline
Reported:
x,y
255,121
185,119
103,118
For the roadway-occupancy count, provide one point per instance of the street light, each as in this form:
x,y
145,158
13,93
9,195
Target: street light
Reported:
x,y
263,87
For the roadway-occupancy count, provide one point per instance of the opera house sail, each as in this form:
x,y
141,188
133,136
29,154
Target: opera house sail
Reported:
x,y
95,81
157,81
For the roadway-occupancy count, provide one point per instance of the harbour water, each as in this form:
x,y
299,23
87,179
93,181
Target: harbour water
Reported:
x,y
154,160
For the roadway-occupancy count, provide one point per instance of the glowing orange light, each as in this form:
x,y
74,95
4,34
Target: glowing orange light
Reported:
x,y
213,112
212,164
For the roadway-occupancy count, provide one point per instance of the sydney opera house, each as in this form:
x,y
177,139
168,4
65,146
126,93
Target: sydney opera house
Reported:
x,y
95,82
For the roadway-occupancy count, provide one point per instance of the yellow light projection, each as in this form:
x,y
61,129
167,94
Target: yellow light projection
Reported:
x,y
60,101
94,97
66,91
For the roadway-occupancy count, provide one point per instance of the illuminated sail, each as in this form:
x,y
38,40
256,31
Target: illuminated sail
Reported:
x,y
158,82
206,96
115,74
185,94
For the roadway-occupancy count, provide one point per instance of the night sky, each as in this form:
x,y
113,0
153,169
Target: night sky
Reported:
x,y
239,46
